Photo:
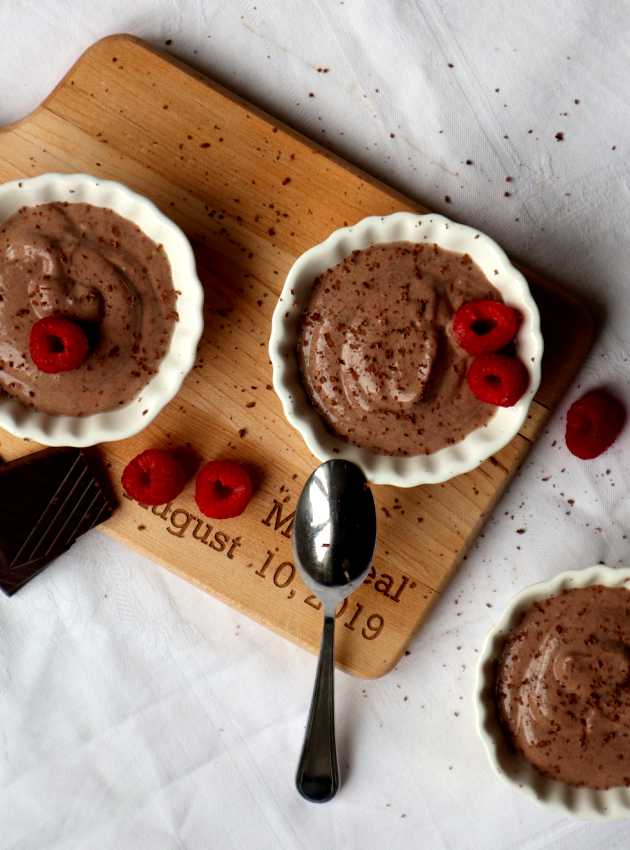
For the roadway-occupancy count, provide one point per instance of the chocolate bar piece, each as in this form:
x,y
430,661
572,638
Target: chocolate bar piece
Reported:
x,y
47,500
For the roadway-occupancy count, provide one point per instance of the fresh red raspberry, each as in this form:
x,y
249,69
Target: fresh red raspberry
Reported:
x,y
223,489
593,424
497,379
482,327
154,477
57,344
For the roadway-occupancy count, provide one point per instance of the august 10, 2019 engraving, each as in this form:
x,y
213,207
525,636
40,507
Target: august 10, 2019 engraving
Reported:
x,y
278,572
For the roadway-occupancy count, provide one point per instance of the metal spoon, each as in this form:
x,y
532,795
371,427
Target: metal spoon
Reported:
x,y
333,540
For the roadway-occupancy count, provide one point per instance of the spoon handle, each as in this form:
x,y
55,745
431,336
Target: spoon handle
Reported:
x,y
317,776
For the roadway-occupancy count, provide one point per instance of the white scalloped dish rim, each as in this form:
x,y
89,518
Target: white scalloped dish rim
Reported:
x,y
584,803
414,470
128,420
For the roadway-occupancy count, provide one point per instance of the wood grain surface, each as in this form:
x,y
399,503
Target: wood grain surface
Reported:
x,y
252,195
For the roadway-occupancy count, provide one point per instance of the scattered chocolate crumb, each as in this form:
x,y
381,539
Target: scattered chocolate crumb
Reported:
x,y
507,194
286,181
447,199
242,432
559,137
509,179
141,527
469,162
251,404
521,530
576,101
450,65
168,42
204,145
311,94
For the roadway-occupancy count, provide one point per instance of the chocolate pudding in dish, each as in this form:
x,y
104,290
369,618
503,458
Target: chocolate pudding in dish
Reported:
x,y
563,686
376,353
91,266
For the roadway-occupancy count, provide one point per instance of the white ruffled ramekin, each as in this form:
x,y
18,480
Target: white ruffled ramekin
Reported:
x,y
54,430
585,803
404,226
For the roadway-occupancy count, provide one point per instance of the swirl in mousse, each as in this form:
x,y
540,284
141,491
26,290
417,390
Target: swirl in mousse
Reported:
x,y
98,269
563,686
376,351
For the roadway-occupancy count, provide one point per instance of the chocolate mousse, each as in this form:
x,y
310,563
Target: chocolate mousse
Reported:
x,y
563,686
376,352
90,265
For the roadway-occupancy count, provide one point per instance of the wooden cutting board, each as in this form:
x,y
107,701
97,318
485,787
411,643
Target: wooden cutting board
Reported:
x,y
253,195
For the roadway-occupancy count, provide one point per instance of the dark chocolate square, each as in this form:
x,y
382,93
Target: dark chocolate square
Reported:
x,y
47,500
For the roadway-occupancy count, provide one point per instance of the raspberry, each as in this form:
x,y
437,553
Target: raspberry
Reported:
x,y
223,489
497,379
593,424
154,477
482,327
57,344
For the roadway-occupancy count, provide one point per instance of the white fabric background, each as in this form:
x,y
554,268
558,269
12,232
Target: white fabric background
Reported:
x,y
137,712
